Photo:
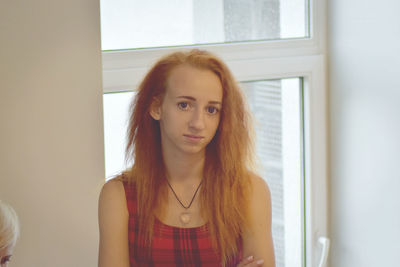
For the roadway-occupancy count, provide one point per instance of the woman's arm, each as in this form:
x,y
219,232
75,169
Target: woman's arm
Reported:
x,y
113,225
257,242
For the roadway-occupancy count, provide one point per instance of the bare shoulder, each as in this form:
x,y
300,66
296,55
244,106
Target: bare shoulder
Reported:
x,y
259,189
260,200
113,225
257,241
113,188
112,198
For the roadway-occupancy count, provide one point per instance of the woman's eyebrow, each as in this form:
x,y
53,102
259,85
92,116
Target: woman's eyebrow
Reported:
x,y
187,97
194,99
215,102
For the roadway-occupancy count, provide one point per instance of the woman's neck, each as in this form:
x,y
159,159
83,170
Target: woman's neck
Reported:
x,y
184,168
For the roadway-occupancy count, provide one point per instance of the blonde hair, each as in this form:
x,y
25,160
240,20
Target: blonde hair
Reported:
x,y
9,226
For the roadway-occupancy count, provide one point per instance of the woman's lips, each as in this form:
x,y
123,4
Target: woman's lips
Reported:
x,y
193,138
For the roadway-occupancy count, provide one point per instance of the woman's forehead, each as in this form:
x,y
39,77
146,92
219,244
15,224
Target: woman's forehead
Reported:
x,y
194,82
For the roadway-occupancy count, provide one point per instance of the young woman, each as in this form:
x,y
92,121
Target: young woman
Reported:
x,y
190,198
9,232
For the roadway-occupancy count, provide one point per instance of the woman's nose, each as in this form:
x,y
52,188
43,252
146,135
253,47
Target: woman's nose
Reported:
x,y
197,120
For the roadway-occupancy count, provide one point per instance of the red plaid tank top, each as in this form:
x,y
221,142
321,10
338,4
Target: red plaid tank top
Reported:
x,y
171,246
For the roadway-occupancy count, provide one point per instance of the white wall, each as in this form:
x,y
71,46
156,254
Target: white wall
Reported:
x,y
364,73
51,138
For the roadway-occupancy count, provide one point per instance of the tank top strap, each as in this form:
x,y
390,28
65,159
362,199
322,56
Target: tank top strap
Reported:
x,y
131,200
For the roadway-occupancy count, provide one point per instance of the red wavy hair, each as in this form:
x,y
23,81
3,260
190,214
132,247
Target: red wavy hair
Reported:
x,y
226,183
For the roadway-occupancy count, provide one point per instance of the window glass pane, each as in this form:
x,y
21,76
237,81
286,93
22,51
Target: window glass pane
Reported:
x,y
158,23
276,106
116,111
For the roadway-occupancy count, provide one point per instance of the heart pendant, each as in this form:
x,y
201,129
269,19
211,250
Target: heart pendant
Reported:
x,y
185,217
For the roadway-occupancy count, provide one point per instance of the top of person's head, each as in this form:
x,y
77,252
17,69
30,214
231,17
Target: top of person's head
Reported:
x,y
9,226
155,82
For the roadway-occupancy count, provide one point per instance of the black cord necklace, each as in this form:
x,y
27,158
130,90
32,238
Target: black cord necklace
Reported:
x,y
180,202
185,216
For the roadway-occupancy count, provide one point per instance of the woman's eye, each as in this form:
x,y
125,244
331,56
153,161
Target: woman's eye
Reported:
x,y
183,105
212,110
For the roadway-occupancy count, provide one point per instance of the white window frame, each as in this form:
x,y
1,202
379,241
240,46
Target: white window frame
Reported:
x,y
123,71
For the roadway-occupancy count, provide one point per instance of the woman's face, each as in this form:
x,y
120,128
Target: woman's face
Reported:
x,y
190,110
5,255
